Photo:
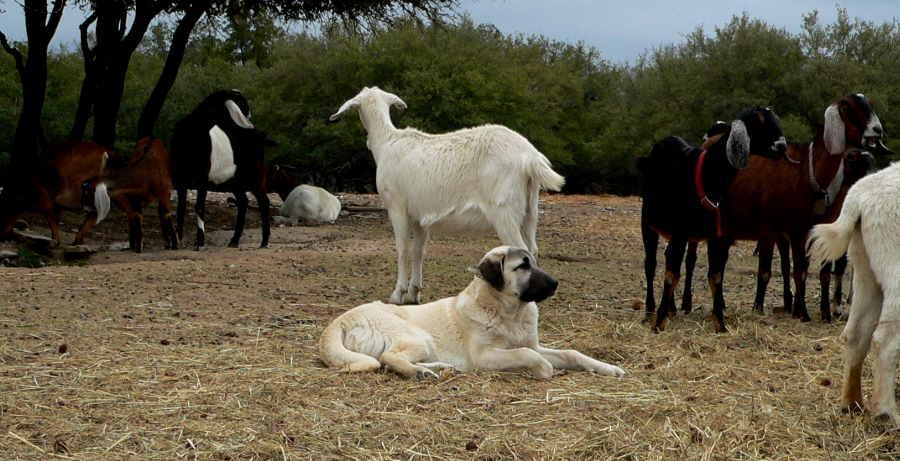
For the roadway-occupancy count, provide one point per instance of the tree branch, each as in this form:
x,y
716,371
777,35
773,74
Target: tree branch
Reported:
x,y
20,64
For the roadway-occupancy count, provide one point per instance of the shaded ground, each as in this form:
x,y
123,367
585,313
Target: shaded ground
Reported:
x,y
213,355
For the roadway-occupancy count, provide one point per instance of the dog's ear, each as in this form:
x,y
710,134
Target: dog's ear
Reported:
x,y
491,271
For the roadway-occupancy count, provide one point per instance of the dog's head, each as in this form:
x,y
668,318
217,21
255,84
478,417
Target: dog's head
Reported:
x,y
514,271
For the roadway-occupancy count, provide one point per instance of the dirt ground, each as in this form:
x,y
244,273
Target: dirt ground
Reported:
x,y
213,355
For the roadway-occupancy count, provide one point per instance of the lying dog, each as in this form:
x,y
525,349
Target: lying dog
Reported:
x,y
491,325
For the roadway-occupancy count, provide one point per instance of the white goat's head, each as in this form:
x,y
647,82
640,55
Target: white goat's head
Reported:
x,y
370,97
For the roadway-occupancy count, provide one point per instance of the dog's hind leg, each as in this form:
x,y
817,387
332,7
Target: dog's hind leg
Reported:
x,y
401,358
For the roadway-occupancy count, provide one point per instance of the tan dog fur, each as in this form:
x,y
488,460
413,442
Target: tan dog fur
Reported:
x,y
491,325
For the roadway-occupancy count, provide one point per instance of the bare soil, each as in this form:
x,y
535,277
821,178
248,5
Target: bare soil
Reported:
x,y
213,355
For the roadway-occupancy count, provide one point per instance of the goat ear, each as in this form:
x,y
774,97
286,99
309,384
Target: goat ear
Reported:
x,y
101,201
398,103
835,139
738,145
491,271
351,104
235,112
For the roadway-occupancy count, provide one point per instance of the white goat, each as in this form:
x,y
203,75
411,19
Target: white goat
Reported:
x,y
467,182
869,225
311,204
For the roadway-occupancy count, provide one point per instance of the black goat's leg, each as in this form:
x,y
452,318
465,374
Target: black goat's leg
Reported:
x,y
825,275
801,266
263,199
200,209
180,211
651,243
766,248
241,199
787,296
674,256
690,260
717,249
840,267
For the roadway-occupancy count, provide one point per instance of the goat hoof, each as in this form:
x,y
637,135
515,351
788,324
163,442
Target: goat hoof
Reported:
x,y
200,248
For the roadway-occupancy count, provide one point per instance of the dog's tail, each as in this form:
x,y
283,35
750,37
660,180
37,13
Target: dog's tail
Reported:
x,y
336,355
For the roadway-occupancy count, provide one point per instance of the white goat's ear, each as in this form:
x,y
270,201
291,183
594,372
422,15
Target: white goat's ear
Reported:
x,y
237,115
101,201
351,104
835,139
397,102
738,145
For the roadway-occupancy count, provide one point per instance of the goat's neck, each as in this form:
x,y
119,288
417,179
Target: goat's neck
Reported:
x,y
718,173
825,166
378,125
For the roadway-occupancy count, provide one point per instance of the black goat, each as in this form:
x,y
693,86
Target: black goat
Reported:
x,y
682,186
216,143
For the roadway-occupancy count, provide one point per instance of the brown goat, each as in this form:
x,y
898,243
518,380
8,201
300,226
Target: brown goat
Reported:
x,y
146,179
769,200
51,182
857,165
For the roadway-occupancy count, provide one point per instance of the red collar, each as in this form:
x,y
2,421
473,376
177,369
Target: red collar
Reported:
x,y
698,182
704,200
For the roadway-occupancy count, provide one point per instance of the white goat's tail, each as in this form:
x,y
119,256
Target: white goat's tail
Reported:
x,y
333,352
545,176
828,242
101,201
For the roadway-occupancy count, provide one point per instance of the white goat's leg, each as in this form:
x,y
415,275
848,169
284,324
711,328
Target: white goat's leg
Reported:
x,y
420,237
857,334
508,228
529,224
400,223
886,349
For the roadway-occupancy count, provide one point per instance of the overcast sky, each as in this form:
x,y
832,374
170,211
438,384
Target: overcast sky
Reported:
x,y
621,30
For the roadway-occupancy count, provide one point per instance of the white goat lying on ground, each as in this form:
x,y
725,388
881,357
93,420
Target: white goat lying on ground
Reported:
x,y
311,204
467,182
870,225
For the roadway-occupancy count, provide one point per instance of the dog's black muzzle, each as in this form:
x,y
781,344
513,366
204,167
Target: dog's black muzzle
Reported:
x,y
540,286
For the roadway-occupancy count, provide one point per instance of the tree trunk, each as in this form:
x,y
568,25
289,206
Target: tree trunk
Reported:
x,y
40,26
112,66
153,107
86,97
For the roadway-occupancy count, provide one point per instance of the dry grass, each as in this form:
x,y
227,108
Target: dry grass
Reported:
x,y
214,356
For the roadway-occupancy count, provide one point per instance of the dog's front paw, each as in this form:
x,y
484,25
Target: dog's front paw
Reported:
x,y
615,371
543,371
606,369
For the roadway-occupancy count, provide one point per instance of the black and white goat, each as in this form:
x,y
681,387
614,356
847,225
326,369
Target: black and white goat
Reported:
x,y
216,143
